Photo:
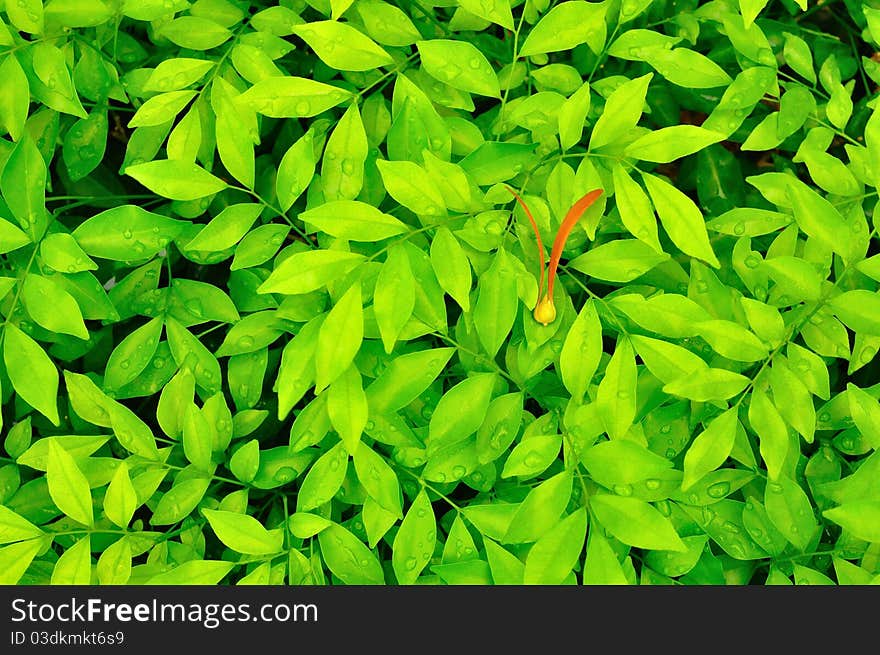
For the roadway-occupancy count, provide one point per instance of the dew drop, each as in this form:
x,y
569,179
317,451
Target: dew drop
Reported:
x,y
719,490
623,489
459,471
652,483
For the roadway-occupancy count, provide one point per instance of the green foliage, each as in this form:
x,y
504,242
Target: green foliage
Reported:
x,y
267,300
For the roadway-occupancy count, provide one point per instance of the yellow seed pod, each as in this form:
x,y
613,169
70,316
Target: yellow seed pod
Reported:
x,y
545,311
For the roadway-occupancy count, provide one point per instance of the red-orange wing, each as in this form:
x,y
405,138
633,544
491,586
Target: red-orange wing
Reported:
x,y
571,218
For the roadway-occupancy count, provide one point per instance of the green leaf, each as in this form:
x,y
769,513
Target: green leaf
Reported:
x,y
731,340
11,238
554,555
52,307
601,566
616,396
459,544
196,438
175,179
193,572
132,354
496,161
177,73
710,448
342,170
14,96
23,187
496,306
226,229
348,558
61,252
860,518
179,501
16,558
195,32
114,564
857,310
120,500
310,270
565,26
621,463
581,351
460,65
32,373
414,542
27,16
687,68
636,212
622,260
819,219
342,46
68,487
395,296
378,479
324,479
461,410
292,97
671,143
506,568
622,111
353,220
347,407
635,522
451,266
540,510
126,233
386,23
132,433
707,384
790,510
243,533
295,171
532,456
410,185
494,11
865,412
681,218
772,432
340,337
161,108
245,462
74,567
14,527
405,378
666,361
572,115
